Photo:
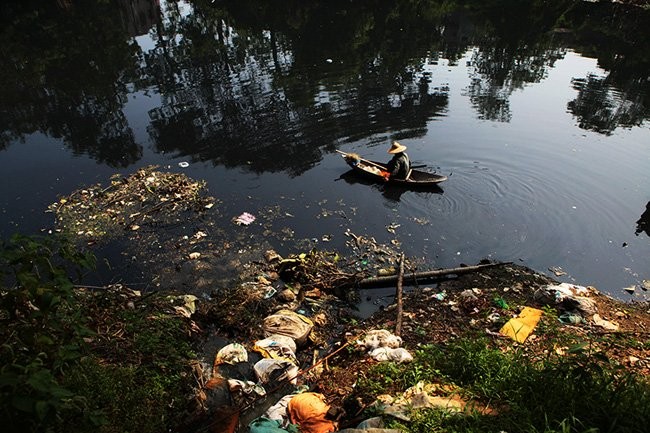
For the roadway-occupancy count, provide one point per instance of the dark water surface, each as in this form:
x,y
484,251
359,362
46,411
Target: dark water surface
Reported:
x,y
540,113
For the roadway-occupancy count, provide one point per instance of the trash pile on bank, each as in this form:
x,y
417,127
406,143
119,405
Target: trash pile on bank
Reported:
x,y
268,376
264,379
265,375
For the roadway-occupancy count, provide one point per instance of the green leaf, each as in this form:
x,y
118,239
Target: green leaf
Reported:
x,y
9,380
42,409
41,381
577,348
23,403
59,392
44,340
97,418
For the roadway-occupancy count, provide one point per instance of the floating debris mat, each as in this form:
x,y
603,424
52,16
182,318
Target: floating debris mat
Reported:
x,y
147,197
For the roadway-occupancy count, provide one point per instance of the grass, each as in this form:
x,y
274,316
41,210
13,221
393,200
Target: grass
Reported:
x,y
74,360
139,381
581,392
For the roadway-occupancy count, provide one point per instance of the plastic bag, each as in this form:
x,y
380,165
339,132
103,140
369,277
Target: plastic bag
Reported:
x,y
309,411
288,323
277,347
265,425
389,354
244,391
279,411
275,370
244,219
380,338
233,353
519,328
418,396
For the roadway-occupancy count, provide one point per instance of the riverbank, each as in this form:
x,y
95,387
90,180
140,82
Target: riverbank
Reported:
x,y
155,361
489,347
583,328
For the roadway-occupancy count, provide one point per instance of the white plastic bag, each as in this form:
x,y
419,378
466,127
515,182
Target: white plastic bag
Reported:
x,y
380,338
275,370
397,354
277,347
233,353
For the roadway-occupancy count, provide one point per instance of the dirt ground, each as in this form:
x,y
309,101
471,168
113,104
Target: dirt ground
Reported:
x,y
429,320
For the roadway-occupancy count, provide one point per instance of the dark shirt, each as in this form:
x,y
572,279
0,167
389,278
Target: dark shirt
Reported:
x,y
399,166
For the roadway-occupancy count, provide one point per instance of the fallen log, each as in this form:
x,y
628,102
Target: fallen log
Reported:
x,y
426,275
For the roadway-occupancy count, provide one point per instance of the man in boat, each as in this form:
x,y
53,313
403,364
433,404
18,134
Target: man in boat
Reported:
x,y
400,166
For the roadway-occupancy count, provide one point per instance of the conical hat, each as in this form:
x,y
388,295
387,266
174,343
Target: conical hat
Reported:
x,y
396,148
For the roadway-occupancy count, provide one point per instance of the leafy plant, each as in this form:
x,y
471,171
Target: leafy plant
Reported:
x,y
42,334
56,375
581,392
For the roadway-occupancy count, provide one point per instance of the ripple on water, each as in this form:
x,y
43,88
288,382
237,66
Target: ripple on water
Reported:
x,y
513,208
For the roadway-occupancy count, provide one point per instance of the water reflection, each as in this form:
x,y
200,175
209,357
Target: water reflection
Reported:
x,y
261,94
138,16
499,71
271,88
601,107
66,74
618,99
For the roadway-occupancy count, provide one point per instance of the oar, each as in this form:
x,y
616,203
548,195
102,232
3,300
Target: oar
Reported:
x,y
364,160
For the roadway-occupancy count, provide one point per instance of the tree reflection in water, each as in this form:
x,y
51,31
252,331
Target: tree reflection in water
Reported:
x,y
617,36
601,107
66,74
289,82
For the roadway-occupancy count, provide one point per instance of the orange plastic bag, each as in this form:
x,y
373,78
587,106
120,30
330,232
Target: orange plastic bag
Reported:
x,y
309,411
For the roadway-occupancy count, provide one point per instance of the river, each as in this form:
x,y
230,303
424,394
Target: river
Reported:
x,y
538,114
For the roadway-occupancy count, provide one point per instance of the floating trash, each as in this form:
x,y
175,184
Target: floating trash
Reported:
x,y
183,164
630,289
244,219
558,271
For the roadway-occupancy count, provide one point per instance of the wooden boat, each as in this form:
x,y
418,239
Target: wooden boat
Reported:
x,y
377,171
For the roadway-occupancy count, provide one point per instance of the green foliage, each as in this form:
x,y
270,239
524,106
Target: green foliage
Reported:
x,y
43,333
56,375
581,392
139,381
136,402
382,377
498,301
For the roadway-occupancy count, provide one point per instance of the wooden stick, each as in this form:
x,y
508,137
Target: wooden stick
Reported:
x,y
398,295
390,279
